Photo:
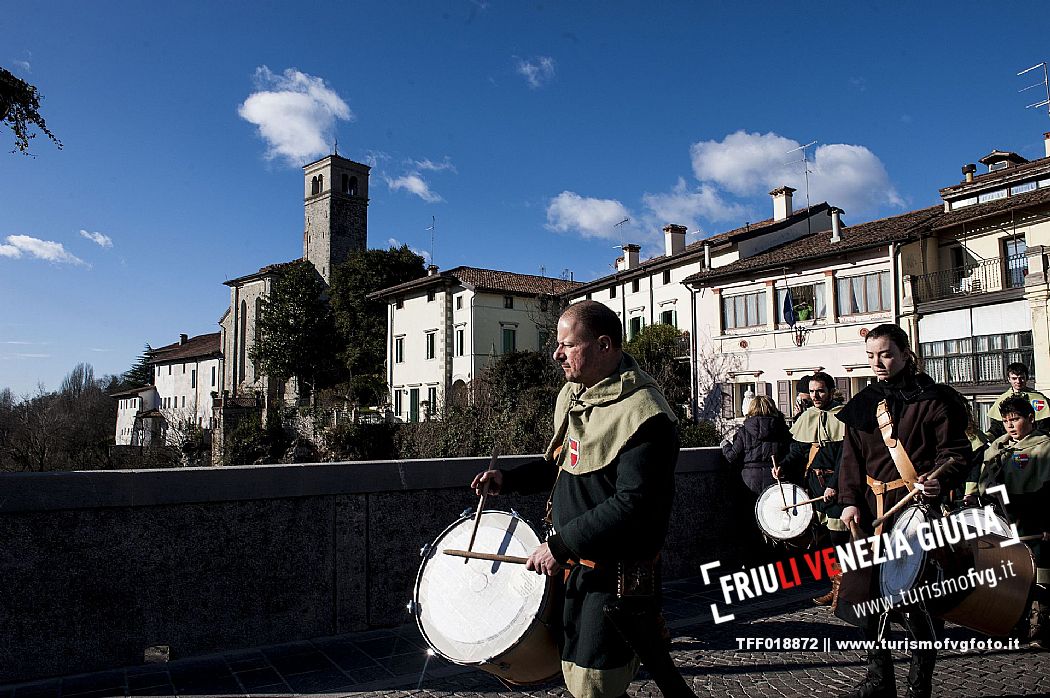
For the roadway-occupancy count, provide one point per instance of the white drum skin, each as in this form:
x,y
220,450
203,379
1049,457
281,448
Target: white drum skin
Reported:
x,y
493,615
790,525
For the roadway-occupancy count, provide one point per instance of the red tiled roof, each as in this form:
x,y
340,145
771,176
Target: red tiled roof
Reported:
x,y
818,245
991,208
989,178
485,280
201,346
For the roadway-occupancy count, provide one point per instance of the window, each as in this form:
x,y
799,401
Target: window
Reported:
x,y
634,286
510,340
746,310
193,378
399,350
634,326
397,402
432,401
588,296
544,304
667,317
169,369
1022,188
508,302
612,291
459,342
867,293
430,295
977,360
991,196
183,400
459,302
413,404
431,344
399,303
807,300
667,276
1015,250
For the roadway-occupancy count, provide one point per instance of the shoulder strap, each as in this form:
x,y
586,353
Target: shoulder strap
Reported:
x,y
900,457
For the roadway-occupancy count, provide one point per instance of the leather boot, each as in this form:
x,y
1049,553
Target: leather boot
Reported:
x,y
920,675
831,597
879,681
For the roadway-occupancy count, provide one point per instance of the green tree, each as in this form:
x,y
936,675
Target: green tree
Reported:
x,y
295,334
20,110
360,321
141,374
658,349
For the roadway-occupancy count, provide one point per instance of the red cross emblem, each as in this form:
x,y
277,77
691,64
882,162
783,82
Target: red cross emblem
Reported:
x,y
1038,405
1021,460
574,452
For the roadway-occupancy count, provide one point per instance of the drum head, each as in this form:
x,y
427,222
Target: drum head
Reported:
x,y
977,520
780,524
470,611
903,572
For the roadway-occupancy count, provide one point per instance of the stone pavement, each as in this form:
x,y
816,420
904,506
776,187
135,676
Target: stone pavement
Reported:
x,y
388,663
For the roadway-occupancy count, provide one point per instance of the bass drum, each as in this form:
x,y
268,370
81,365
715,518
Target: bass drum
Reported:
x,y
791,526
496,616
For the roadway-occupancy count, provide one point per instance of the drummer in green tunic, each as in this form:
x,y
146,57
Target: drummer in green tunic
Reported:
x,y
1017,373
1020,459
814,458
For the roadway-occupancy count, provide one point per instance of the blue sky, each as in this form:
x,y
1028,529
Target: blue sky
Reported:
x,y
526,129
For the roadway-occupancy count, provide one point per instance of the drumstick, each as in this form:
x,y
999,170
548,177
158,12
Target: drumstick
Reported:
x,y
782,495
805,501
486,556
1034,536
854,529
481,500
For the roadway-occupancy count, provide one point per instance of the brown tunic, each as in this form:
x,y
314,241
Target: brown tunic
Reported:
x,y
931,423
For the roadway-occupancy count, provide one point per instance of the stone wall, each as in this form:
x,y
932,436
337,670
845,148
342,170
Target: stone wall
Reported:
x,y
97,566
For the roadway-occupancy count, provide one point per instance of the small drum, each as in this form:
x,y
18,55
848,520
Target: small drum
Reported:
x,y
791,526
496,616
967,597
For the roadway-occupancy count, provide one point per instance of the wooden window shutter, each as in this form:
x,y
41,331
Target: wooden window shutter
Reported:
x,y
842,385
727,401
784,397
762,388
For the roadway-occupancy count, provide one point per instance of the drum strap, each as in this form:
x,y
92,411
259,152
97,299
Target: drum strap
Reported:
x,y
880,489
900,457
814,449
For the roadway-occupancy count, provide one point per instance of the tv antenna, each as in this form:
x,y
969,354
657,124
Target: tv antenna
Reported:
x,y
432,229
805,171
1045,84
621,223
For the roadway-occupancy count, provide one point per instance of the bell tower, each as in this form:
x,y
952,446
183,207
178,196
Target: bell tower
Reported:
x,y
336,211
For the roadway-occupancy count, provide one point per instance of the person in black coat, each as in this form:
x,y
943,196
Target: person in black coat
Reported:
x,y
763,434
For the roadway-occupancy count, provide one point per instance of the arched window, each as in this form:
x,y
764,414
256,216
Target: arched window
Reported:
x,y
346,184
320,183
313,187
243,353
352,187
258,314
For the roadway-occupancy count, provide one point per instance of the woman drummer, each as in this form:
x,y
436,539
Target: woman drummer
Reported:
x,y
929,420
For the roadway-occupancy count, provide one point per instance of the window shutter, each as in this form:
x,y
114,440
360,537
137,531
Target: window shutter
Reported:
x,y
784,397
842,384
727,401
762,388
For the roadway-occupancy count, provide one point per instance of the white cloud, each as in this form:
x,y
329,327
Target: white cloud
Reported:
x,y
428,164
686,206
97,238
536,71
295,113
48,250
394,242
414,184
24,66
590,217
747,164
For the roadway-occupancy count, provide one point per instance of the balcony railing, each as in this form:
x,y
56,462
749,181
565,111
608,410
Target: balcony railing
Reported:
x,y
977,369
980,277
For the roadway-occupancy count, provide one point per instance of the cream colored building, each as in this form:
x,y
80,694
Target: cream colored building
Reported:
x,y
186,379
445,328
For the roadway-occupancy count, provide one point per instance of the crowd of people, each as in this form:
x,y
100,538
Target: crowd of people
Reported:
x,y
610,473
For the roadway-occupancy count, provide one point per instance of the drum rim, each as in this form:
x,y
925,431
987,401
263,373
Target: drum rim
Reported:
x,y
547,588
811,509
923,555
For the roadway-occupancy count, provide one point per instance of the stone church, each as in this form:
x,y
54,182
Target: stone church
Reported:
x,y
336,224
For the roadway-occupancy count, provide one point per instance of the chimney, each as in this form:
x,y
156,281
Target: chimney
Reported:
x,y
630,256
183,339
707,255
968,170
836,224
782,202
432,269
674,239
1046,143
